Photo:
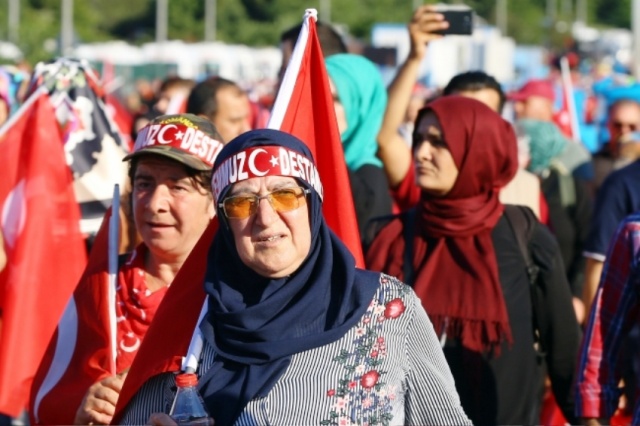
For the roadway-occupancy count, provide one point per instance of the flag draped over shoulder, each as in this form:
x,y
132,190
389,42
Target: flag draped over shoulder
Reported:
x,y
167,339
304,108
39,219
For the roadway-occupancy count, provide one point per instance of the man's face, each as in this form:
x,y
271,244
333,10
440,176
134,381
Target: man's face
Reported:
x,y
535,108
487,96
170,209
232,117
624,119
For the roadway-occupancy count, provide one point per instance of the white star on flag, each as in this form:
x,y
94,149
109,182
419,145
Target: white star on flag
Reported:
x,y
179,135
273,161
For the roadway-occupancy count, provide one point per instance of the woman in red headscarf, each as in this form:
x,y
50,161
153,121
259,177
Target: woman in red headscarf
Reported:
x,y
465,264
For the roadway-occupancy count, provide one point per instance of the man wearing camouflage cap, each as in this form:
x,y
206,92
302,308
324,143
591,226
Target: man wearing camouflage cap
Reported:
x,y
172,205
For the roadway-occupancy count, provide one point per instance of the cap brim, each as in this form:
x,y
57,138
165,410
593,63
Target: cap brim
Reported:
x,y
173,154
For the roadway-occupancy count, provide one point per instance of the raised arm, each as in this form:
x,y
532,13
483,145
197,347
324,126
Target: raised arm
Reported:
x,y
392,149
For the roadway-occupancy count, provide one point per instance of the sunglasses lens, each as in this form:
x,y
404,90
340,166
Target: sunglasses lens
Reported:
x,y
286,199
238,207
619,125
282,200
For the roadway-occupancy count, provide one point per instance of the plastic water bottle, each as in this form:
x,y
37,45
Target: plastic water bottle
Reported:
x,y
188,407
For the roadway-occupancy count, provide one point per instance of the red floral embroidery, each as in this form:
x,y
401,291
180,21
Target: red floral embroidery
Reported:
x,y
394,308
369,379
362,388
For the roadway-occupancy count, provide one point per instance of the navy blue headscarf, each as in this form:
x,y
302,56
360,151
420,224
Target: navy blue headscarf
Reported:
x,y
255,323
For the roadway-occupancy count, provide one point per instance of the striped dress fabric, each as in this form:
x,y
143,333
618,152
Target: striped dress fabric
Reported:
x,y
389,369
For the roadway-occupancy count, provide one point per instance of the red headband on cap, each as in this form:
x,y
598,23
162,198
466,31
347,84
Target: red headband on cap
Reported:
x,y
179,134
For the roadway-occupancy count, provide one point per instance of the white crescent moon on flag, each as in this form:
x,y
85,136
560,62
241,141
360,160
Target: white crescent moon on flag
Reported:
x,y
252,165
14,214
161,138
131,348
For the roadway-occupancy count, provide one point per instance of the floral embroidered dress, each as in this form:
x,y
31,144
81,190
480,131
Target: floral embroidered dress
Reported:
x,y
388,369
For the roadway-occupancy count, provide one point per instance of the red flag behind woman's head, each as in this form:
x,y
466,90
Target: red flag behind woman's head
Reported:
x,y
304,108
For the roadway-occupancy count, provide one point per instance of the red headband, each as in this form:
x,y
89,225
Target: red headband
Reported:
x,y
265,161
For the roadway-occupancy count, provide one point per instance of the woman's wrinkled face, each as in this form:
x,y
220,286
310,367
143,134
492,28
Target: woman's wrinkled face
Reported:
x,y
341,115
436,171
274,244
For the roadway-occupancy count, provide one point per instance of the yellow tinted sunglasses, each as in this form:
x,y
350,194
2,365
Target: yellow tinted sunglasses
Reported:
x,y
282,200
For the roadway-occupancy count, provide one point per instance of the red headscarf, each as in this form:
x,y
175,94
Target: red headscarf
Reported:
x,y
456,272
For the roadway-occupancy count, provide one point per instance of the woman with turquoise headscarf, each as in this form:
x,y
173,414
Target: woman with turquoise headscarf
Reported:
x,y
11,80
360,99
568,198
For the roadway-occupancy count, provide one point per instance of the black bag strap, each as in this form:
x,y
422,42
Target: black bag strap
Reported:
x,y
522,221
408,218
408,225
373,228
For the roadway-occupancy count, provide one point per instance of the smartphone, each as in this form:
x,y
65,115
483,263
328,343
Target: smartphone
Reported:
x,y
460,19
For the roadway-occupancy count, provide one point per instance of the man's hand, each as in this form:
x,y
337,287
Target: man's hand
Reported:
x,y
99,404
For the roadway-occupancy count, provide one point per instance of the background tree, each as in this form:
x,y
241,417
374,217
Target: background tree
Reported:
x,y
260,22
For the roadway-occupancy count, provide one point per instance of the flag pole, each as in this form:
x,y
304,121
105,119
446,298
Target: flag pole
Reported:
x,y
190,361
114,242
291,73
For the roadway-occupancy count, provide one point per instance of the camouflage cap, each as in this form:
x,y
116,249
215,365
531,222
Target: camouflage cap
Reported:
x,y
186,138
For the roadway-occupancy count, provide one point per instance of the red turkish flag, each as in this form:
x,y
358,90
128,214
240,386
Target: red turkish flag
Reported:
x,y
304,108
562,118
167,339
80,352
45,249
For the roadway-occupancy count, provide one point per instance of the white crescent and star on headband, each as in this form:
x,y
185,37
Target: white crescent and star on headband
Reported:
x,y
265,161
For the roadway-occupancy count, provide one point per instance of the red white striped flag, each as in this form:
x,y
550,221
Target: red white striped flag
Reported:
x,y
45,250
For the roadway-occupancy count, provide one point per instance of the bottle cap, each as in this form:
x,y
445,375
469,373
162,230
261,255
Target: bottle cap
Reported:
x,y
184,380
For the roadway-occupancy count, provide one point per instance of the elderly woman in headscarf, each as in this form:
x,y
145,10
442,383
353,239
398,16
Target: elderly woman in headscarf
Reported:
x,y
569,198
360,99
461,254
295,334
